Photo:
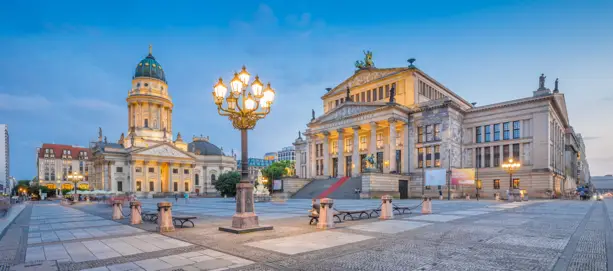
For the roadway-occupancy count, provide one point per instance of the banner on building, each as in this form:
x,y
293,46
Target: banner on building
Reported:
x,y
277,185
436,177
462,176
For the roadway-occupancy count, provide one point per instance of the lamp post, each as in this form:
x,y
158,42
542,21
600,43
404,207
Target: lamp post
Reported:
x,y
511,167
75,178
243,109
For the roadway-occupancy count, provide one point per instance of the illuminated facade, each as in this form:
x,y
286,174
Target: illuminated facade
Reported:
x,y
55,162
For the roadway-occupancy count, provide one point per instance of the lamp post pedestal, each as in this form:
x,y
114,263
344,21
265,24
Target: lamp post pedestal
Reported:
x,y
245,220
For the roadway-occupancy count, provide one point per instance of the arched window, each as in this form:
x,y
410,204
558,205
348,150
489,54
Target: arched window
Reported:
x,y
212,178
196,181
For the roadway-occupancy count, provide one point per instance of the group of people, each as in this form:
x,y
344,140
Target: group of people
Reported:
x,y
185,196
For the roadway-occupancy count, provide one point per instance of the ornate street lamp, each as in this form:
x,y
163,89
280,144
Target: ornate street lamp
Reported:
x,y
243,109
75,178
511,167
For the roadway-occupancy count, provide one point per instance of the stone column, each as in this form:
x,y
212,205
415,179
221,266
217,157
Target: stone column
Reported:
x,y
165,217
313,158
372,148
355,158
326,153
405,152
326,214
392,145
341,152
146,173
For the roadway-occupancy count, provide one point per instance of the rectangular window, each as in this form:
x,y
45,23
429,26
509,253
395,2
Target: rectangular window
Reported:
x,y
335,147
420,134
380,93
497,132
497,184
348,144
363,144
119,186
506,131
429,133
478,157
336,103
427,187
175,186
138,186
487,156
496,156
363,96
342,100
516,129
505,153
151,170
437,156
186,186
420,157
379,140
138,169
368,96
487,133
151,186
186,171
429,157
437,132
516,152
478,134
374,94
175,171
119,169
515,183
387,91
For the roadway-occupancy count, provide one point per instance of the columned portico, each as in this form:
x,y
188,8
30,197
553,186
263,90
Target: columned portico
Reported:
x,y
392,145
341,152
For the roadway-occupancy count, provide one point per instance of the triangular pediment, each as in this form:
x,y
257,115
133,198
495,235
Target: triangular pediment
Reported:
x,y
561,102
163,150
348,110
364,76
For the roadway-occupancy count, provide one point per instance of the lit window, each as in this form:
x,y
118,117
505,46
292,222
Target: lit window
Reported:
x,y
348,144
363,144
379,140
429,133
420,134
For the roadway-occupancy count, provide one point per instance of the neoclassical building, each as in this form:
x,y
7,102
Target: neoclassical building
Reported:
x,y
55,162
148,160
412,123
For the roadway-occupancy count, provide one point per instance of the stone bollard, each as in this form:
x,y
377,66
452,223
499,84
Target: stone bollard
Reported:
x,y
467,197
497,196
440,197
165,217
426,206
326,214
117,210
135,210
387,210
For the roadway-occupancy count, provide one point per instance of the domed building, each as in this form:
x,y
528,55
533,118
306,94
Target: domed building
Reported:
x,y
148,160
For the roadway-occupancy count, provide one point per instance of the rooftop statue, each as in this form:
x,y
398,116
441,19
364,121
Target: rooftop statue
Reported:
x,y
367,63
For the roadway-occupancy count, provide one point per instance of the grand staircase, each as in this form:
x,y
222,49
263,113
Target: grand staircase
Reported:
x,y
335,188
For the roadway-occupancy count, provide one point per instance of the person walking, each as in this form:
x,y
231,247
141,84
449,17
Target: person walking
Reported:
x,y
176,198
186,197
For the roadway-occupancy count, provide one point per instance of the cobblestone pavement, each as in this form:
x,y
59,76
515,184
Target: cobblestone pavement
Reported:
x,y
460,235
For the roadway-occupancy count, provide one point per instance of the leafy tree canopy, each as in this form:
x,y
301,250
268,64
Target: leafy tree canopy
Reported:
x,y
226,183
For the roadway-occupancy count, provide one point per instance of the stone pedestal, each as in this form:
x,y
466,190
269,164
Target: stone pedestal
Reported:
x,y
244,220
135,213
497,196
426,206
467,197
440,197
165,217
517,195
326,214
387,209
117,210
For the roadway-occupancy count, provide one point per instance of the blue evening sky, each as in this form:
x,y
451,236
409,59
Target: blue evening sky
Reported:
x,y
66,66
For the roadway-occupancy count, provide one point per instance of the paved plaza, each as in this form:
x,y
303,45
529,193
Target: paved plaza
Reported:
x,y
459,235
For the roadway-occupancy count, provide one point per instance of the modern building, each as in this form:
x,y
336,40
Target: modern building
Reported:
x,y
412,123
148,160
255,166
4,155
271,156
583,174
287,154
55,162
10,185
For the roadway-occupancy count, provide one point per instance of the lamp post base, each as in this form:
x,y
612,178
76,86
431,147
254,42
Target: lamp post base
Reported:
x,y
245,220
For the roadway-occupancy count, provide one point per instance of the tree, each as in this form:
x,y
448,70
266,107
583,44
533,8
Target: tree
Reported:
x,y
226,183
277,170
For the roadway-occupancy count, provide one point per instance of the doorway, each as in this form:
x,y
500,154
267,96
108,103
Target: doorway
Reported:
x,y
164,177
348,166
403,188
334,167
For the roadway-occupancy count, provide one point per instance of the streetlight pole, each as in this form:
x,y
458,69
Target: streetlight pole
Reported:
x,y
244,109
510,167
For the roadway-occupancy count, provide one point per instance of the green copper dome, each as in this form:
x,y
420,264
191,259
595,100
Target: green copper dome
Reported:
x,y
149,67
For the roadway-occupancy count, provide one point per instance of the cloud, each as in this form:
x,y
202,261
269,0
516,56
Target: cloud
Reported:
x,y
10,102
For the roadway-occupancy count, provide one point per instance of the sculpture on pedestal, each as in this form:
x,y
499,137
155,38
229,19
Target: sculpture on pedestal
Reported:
x,y
261,193
371,163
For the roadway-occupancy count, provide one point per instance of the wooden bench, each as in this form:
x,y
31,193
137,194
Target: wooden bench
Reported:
x,y
150,216
183,220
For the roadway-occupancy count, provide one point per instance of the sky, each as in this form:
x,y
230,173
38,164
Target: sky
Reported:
x,y
66,66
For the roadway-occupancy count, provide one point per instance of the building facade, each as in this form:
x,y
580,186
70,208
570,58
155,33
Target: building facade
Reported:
x,y
583,169
412,123
55,162
148,161
271,156
4,155
255,166
287,154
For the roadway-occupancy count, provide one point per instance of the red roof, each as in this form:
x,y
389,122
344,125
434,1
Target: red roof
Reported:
x,y
58,150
